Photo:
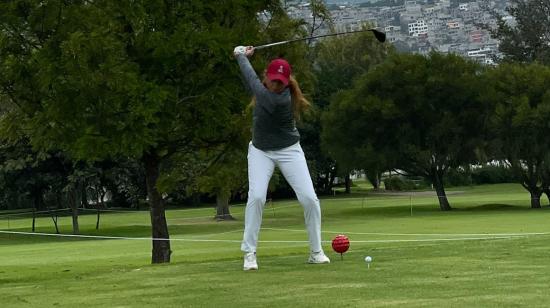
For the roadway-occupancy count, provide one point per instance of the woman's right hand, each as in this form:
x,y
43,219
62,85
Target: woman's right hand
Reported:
x,y
249,51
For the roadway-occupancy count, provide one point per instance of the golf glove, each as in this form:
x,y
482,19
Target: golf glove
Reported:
x,y
239,50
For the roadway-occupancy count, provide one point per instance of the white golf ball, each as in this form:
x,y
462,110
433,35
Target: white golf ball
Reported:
x,y
368,259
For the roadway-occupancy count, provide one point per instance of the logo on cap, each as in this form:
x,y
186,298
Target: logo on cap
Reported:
x,y
279,69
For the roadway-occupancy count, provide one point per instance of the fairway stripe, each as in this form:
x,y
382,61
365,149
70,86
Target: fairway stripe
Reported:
x,y
418,234
269,241
220,233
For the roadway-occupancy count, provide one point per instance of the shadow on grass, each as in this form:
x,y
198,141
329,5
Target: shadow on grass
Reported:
x,y
500,207
433,210
390,211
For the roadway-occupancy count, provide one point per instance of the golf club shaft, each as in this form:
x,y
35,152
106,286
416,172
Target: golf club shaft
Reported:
x,y
310,38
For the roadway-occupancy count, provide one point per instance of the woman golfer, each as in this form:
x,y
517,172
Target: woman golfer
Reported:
x,y
276,142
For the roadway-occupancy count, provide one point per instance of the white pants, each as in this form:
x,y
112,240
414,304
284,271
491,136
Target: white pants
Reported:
x,y
292,163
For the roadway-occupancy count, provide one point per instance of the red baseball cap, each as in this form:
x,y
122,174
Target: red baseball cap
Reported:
x,y
279,69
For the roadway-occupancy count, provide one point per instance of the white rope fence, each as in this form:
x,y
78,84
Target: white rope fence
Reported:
x,y
418,234
440,237
106,237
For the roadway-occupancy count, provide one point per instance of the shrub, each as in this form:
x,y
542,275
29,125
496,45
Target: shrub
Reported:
x,y
457,177
491,174
398,183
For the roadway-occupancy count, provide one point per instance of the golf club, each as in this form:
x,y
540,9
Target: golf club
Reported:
x,y
380,36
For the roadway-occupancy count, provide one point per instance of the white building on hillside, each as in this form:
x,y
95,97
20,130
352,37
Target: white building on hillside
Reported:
x,y
418,28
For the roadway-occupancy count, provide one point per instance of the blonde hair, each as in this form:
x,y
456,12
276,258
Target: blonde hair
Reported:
x,y
299,103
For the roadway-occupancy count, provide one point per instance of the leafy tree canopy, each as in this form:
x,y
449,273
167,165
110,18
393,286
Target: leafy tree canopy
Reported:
x,y
527,37
419,113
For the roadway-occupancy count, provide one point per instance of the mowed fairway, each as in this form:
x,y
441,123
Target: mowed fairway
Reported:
x,y
492,250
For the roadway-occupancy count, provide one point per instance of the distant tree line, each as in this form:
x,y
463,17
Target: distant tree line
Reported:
x,y
428,115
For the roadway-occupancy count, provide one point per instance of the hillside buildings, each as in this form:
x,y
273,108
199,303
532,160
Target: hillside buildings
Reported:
x,y
419,26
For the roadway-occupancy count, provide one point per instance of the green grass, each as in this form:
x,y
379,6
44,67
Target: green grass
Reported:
x,y
429,259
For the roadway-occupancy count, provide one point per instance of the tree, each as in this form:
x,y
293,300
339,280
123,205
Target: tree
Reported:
x,y
519,125
219,172
527,37
143,79
225,177
421,114
338,62
123,179
227,174
320,17
25,175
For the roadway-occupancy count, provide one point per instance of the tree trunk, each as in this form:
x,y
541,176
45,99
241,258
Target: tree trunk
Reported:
x,y
535,198
161,243
374,179
99,204
322,182
331,180
76,228
54,219
38,204
97,221
530,183
33,218
347,180
54,216
102,195
73,199
222,207
440,190
84,195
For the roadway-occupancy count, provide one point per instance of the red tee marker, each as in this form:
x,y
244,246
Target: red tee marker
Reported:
x,y
340,244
